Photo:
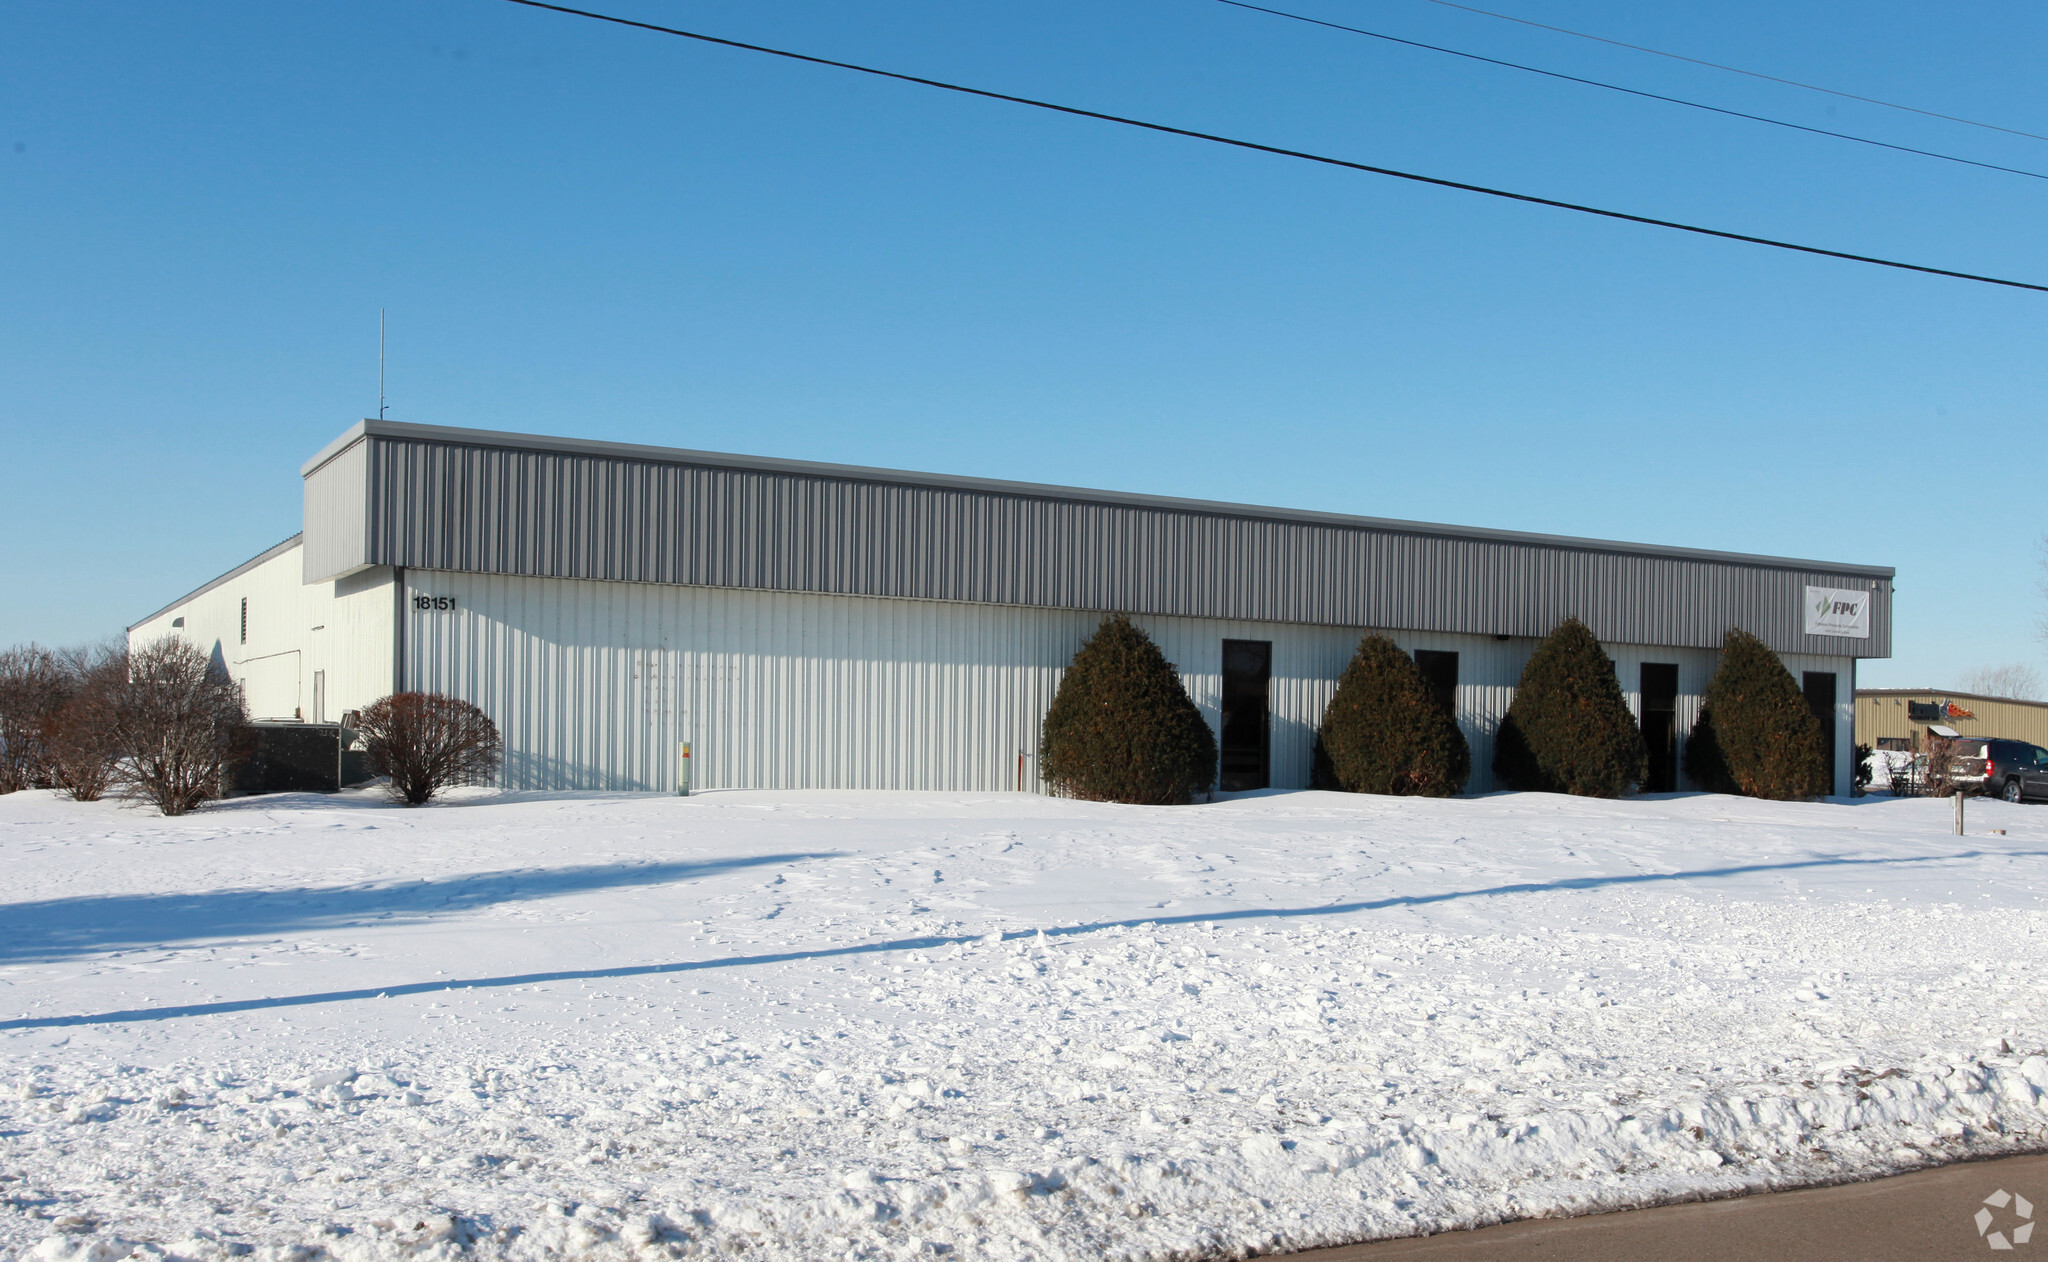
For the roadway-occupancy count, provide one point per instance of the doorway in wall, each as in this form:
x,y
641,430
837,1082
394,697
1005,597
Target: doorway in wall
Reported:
x,y
1440,671
1819,686
1660,725
1246,740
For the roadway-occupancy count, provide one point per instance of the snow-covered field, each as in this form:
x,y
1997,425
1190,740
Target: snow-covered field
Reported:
x,y
824,1025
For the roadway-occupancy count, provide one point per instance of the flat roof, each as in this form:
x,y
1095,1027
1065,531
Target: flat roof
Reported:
x,y
1949,694
405,430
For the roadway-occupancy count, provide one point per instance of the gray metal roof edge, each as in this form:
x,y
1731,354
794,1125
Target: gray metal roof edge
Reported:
x,y
1036,490
250,564
1948,692
349,438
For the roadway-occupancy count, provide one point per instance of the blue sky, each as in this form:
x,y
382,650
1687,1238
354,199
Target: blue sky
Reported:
x,y
587,231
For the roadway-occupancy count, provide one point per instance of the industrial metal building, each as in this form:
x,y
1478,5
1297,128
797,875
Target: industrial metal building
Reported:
x,y
824,626
1898,718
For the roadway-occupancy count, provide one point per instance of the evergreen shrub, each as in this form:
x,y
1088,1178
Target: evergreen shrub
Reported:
x,y
1385,733
1769,743
1568,729
1322,773
1121,727
1703,763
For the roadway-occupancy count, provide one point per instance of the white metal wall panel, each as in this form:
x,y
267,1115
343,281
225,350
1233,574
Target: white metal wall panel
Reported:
x,y
595,684
504,504
269,663
1844,671
351,621
1695,668
342,628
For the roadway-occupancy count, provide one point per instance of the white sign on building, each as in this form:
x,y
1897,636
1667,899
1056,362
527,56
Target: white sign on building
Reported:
x,y
1838,611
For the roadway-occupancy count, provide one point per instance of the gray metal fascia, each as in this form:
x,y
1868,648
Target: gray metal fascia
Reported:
x,y
1035,490
349,437
250,564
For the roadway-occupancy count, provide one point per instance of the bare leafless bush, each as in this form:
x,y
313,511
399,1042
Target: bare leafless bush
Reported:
x,y
426,742
1945,766
33,687
178,724
80,740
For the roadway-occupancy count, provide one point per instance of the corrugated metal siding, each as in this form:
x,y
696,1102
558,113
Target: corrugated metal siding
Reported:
x,y
1844,671
1883,714
342,628
270,664
337,505
596,683
353,645
452,506
1696,667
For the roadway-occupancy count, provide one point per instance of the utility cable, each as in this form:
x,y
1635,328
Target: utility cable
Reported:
x,y
1276,150
1615,87
1715,65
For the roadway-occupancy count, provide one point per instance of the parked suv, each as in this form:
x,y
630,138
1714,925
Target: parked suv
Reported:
x,y
2013,770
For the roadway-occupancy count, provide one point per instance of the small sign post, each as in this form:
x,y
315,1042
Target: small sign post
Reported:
x,y
1959,812
683,772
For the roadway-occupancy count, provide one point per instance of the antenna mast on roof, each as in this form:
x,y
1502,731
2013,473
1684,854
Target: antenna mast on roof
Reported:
x,y
380,363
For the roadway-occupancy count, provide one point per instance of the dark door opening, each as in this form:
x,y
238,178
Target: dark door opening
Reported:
x,y
1660,726
1819,686
1247,669
1440,672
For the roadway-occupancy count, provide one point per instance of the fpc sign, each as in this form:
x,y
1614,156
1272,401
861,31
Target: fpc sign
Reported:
x,y
1838,611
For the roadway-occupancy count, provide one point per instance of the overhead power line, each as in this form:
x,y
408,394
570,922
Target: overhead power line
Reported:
x,y
1715,65
1615,87
1276,150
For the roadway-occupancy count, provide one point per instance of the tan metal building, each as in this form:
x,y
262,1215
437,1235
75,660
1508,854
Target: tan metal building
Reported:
x,y
1898,718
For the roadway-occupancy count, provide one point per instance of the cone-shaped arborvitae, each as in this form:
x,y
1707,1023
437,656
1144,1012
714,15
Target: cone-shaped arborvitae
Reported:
x,y
1765,738
1703,763
1121,727
1568,729
1385,733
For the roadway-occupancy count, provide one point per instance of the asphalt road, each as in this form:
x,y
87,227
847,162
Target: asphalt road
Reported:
x,y
1926,1216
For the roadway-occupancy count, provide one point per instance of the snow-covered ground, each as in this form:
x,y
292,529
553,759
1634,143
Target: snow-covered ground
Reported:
x,y
1883,764
823,1025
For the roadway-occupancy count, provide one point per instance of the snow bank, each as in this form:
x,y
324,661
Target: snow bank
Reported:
x,y
1883,764
884,1026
